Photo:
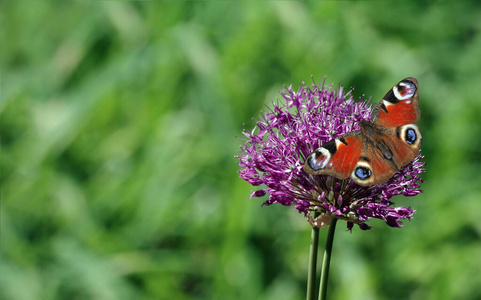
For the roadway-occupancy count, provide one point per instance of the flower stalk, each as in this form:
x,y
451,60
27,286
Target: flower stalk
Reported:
x,y
311,275
326,262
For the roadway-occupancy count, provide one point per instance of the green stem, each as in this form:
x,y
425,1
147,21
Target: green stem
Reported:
x,y
327,260
311,276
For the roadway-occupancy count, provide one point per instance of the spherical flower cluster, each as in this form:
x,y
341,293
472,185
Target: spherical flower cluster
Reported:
x,y
274,152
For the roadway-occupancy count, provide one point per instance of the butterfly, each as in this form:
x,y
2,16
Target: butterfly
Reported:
x,y
372,155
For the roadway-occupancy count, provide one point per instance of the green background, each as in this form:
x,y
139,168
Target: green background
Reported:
x,y
118,134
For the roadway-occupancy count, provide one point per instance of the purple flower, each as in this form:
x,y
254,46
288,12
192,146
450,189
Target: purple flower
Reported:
x,y
274,152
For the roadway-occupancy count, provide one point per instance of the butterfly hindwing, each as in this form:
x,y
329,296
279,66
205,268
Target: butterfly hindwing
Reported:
x,y
372,168
385,152
405,143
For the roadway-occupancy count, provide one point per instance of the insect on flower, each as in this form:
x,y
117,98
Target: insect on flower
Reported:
x,y
323,152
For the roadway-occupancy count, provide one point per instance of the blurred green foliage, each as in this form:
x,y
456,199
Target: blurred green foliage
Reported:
x,y
118,125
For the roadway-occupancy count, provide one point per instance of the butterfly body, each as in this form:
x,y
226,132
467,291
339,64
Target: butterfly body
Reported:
x,y
373,154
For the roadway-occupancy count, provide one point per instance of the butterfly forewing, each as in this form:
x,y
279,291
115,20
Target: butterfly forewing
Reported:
x,y
336,157
400,106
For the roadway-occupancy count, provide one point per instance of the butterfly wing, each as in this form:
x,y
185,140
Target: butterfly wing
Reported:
x,y
337,158
385,152
400,106
372,168
404,143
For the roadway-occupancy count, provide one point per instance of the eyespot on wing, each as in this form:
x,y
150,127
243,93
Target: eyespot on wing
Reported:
x,y
317,161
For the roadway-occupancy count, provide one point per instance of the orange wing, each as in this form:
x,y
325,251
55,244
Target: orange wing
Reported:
x,y
400,106
337,157
385,153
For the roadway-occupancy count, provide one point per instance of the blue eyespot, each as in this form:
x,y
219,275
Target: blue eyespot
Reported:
x,y
363,173
411,136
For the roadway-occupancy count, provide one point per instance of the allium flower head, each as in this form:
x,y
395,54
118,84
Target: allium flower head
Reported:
x,y
274,152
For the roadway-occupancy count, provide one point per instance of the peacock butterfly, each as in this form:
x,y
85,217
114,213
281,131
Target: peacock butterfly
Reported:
x,y
372,155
